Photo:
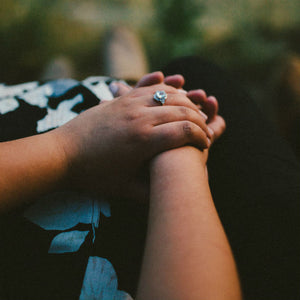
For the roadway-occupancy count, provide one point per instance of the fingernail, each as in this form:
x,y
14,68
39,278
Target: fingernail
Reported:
x,y
124,82
201,91
203,114
210,131
208,142
212,98
182,91
114,88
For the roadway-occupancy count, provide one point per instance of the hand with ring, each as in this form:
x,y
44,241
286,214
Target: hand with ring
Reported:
x,y
107,146
208,105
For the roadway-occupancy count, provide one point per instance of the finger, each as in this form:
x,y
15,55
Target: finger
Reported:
x,y
150,79
203,115
218,126
167,114
209,105
176,134
173,98
198,96
212,107
177,81
146,90
119,89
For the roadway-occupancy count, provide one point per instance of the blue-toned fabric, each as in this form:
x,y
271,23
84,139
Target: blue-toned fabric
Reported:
x,y
101,270
58,231
60,87
69,241
64,210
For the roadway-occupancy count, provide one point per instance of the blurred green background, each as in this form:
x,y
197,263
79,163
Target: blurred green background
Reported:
x,y
258,40
246,36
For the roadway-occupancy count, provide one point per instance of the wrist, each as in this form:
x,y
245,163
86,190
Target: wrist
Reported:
x,y
62,161
179,159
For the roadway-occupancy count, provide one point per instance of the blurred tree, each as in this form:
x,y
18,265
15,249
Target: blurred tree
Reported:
x,y
24,40
36,31
247,50
177,32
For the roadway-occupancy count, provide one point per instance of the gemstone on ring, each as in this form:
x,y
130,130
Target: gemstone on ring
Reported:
x,y
160,96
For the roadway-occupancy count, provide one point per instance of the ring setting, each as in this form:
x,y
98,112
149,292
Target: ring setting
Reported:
x,y
160,96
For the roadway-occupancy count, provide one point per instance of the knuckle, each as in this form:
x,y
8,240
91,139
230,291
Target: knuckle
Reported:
x,y
141,135
167,88
187,128
173,90
122,103
185,112
187,102
133,115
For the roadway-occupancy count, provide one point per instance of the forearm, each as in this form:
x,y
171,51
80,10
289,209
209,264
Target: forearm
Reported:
x,y
30,167
187,254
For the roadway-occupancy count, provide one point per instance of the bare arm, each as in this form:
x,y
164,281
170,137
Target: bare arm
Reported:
x,y
30,167
89,151
187,254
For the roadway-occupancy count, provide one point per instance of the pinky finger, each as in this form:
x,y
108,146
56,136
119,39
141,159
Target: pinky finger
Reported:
x,y
176,134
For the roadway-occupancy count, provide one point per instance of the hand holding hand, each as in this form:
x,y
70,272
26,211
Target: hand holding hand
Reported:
x,y
120,89
207,104
108,145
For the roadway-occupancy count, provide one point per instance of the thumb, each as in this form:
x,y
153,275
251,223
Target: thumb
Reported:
x,y
119,89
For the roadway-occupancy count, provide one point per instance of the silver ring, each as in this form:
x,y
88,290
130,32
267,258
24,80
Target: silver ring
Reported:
x,y
160,96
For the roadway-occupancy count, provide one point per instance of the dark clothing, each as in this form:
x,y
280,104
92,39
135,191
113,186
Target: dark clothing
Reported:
x,y
255,182
58,247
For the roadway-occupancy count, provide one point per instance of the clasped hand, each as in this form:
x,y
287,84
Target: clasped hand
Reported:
x,y
107,147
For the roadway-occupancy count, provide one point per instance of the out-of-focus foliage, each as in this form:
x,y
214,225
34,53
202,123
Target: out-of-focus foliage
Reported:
x,y
174,29
32,32
248,37
251,38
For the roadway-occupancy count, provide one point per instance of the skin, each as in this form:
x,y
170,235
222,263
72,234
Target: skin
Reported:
x,y
83,154
187,255
207,105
